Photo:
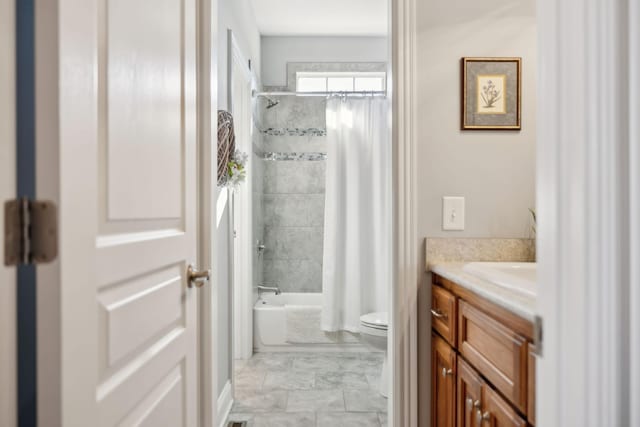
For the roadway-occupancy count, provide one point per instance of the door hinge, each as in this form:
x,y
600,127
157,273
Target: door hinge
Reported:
x,y
30,231
537,335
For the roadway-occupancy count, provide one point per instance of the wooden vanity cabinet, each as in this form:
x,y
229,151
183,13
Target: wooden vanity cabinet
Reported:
x,y
443,383
483,372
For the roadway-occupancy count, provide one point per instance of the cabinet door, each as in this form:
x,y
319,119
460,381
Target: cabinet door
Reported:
x,y
496,412
443,383
469,395
531,384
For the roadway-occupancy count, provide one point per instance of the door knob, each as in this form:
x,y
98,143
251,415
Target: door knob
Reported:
x,y
197,278
446,372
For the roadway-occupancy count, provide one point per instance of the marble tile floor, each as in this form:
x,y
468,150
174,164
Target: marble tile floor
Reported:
x,y
309,390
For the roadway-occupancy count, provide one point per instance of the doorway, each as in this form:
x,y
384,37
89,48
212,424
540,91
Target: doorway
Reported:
x,y
310,88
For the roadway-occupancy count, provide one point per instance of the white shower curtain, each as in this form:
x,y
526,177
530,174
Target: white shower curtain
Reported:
x,y
356,261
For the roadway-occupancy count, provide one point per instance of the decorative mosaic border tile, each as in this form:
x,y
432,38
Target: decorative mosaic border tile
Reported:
x,y
294,132
294,156
445,249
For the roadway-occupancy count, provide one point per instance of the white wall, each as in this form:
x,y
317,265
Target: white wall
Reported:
x,y
277,51
238,16
494,170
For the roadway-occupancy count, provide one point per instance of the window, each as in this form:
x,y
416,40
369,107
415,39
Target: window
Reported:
x,y
340,81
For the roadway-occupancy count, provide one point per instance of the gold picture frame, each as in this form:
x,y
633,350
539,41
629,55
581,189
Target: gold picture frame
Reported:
x,y
491,93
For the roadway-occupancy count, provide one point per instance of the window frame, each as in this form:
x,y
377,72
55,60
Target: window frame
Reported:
x,y
354,75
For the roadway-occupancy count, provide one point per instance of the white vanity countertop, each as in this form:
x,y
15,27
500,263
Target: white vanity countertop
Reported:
x,y
516,302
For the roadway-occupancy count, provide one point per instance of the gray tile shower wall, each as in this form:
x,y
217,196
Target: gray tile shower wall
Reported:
x,y
296,112
294,193
294,177
294,218
295,144
257,181
294,210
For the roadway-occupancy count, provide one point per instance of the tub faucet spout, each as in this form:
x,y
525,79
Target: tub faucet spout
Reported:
x,y
274,289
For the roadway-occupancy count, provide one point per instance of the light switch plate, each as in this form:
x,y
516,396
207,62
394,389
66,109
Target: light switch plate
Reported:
x,y
453,213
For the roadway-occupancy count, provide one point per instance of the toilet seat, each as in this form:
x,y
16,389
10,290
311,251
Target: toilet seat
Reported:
x,y
377,320
373,333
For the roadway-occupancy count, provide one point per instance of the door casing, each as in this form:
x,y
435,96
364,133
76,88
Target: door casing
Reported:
x,y
402,340
207,206
8,386
241,81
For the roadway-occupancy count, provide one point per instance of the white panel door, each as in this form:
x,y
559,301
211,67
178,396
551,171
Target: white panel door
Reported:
x,y
128,212
146,174
7,191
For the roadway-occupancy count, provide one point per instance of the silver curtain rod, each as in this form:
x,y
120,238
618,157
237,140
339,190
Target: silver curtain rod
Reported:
x,y
335,93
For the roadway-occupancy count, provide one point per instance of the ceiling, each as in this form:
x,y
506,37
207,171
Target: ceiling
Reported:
x,y
321,17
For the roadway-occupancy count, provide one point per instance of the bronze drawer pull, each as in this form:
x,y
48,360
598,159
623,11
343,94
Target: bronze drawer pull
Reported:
x,y
480,417
438,314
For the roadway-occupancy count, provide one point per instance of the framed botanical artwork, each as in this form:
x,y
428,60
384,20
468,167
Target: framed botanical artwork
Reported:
x,y
491,90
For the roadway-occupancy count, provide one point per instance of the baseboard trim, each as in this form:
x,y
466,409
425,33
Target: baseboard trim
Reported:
x,y
313,348
225,402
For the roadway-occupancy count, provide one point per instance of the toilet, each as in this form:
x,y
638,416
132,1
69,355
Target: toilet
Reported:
x,y
373,332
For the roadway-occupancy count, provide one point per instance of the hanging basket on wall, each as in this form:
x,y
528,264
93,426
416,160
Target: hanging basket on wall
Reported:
x,y
226,143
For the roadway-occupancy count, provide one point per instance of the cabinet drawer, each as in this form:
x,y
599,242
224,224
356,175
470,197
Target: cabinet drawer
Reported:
x,y
443,313
495,351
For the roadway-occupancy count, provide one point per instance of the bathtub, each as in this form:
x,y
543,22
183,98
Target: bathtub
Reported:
x,y
291,322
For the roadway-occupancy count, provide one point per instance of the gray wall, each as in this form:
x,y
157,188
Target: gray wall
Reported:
x,y
278,51
494,171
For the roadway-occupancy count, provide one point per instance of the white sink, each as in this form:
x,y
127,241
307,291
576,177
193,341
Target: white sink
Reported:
x,y
517,276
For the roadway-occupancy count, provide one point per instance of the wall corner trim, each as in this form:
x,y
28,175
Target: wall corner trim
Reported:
x,y
403,337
